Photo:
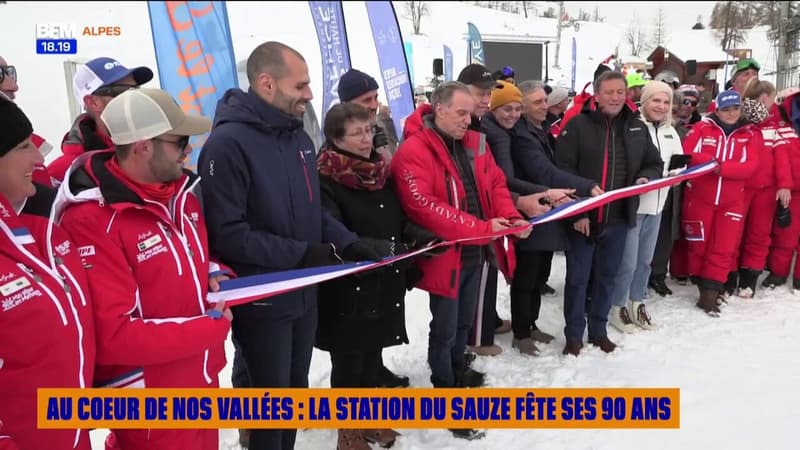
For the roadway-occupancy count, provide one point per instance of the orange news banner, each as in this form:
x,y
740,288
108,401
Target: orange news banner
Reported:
x,y
360,408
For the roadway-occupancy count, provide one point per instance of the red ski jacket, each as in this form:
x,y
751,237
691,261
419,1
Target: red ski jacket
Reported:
x,y
148,269
432,194
46,325
737,155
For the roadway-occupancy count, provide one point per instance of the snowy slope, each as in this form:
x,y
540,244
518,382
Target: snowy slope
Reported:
x,y
738,376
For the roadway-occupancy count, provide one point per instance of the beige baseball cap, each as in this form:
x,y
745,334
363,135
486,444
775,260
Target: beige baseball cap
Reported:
x,y
142,114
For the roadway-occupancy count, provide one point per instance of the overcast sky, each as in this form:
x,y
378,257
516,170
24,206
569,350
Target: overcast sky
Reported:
x,y
679,15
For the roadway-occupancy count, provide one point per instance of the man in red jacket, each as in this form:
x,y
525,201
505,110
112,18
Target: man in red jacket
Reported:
x,y
448,182
95,84
143,240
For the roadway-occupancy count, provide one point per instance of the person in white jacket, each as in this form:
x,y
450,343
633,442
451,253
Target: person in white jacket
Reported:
x,y
634,269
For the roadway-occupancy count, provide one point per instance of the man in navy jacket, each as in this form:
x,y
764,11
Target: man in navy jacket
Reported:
x,y
262,205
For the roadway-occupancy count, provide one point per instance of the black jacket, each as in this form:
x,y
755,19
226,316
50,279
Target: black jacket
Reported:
x,y
585,147
367,311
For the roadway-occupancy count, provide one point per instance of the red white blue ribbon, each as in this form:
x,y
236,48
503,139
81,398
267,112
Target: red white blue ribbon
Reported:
x,y
247,289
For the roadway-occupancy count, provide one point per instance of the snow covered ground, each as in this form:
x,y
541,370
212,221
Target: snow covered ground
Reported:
x,y
738,375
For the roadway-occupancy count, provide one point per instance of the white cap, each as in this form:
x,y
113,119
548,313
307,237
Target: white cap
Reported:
x,y
142,114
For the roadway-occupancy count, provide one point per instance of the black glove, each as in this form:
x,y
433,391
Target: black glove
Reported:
x,y
368,249
320,255
678,161
783,216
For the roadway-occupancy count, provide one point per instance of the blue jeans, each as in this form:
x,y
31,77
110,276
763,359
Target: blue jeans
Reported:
x,y
450,326
609,244
634,269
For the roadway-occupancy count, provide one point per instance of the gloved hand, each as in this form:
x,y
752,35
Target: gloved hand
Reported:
x,y
368,249
320,255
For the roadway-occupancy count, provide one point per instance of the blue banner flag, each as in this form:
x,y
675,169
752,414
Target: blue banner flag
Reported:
x,y
475,44
194,56
392,60
333,48
448,64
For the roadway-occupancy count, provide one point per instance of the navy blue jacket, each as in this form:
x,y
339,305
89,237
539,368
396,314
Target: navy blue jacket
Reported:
x,y
532,153
260,191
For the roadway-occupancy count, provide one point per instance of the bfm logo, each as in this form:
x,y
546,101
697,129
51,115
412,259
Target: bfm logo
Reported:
x,y
69,31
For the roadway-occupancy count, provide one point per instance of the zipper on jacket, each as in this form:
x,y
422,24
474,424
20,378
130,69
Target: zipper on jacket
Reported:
x,y
600,212
658,145
171,247
305,172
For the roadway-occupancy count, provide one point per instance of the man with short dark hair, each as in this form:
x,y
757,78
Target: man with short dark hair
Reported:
x,y
607,143
134,216
95,84
262,204
448,183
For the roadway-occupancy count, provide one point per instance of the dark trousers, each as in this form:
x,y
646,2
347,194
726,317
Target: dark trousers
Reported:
x,y
449,327
664,241
239,376
548,265
486,318
355,369
526,291
610,245
277,349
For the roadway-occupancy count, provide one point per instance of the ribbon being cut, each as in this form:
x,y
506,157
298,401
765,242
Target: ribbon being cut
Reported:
x,y
247,289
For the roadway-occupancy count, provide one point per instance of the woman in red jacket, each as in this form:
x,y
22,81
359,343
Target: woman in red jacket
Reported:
x,y
713,207
772,181
46,329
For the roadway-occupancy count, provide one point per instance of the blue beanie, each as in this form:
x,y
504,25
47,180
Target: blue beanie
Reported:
x,y
355,83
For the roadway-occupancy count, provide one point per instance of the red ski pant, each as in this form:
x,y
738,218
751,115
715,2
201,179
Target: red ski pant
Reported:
x,y
713,234
760,205
785,243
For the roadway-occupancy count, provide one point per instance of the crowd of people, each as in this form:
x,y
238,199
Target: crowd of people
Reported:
x,y
114,246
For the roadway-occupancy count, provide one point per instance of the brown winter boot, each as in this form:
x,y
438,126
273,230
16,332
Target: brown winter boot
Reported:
x,y
708,302
382,436
351,440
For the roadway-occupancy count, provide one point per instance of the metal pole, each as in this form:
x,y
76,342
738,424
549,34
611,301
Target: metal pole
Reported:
x,y
558,33
547,61
782,77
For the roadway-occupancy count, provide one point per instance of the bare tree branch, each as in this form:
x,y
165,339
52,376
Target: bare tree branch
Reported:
x,y
416,11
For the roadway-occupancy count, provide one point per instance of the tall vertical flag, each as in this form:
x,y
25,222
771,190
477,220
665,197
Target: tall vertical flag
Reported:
x,y
475,44
409,49
574,61
334,51
448,64
194,54
392,60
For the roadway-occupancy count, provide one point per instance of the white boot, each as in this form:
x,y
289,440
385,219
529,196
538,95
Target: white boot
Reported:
x,y
621,320
640,316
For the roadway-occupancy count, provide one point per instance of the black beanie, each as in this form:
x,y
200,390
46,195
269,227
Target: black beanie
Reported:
x,y
14,126
600,69
355,83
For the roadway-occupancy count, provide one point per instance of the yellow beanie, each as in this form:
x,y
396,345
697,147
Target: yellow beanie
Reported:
x,y
503,94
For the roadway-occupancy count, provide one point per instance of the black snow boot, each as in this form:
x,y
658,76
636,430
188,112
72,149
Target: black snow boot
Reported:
x,y
730,285
708,302
658,283
748,279
772,281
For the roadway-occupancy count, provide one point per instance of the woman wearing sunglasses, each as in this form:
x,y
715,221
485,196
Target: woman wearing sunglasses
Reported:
x,y
46,326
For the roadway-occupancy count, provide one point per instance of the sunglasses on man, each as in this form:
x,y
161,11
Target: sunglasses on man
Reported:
x,y
181,143
688,102
113,90
8,71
